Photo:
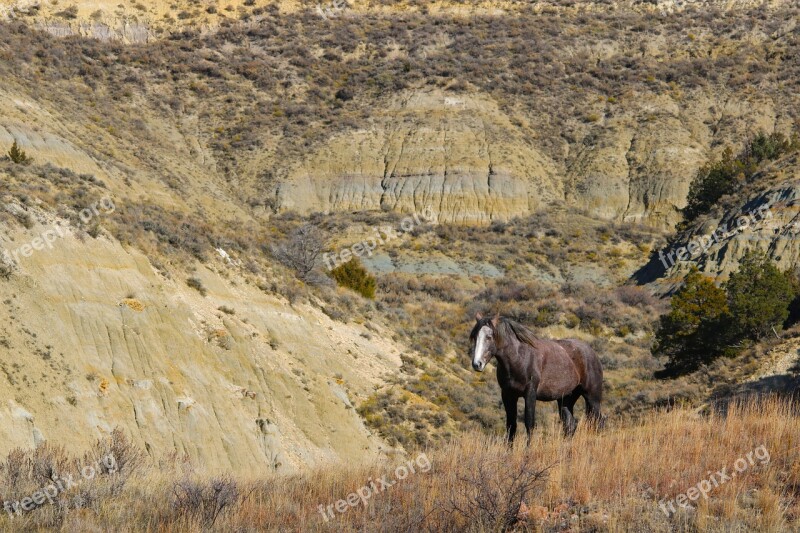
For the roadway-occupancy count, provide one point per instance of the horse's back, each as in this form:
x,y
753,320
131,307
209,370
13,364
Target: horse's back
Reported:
x,y
558,375
587,362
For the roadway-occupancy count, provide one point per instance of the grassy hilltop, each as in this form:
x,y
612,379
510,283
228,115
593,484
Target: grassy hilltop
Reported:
x,y
736,471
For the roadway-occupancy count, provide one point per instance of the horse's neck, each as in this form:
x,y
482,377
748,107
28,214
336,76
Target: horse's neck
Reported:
x,y
510,356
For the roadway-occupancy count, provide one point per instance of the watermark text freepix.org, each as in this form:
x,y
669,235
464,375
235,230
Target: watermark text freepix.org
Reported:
x,y
382,235
61,483
702,243
714,480
330,11
376,486
104,206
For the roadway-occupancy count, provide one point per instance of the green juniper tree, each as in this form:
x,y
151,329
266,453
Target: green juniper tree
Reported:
x,y
706,321
758,297
727,175
691,332
18,155
354,276
713,181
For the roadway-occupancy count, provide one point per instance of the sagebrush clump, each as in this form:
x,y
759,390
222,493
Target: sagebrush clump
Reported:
x,y
612,480
354,276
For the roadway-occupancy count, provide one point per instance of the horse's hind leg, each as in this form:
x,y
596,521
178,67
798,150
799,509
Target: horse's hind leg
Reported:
x,y
567,419
530,412
565,406
593,412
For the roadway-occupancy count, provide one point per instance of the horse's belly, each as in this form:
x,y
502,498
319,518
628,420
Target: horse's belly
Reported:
x,y
558,380
551,395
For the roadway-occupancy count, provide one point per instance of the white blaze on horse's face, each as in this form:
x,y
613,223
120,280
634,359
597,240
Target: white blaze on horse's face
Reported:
x,y
482,349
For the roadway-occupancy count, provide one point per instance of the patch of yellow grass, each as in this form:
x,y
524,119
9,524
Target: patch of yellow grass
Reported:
x,y
608,481
612,480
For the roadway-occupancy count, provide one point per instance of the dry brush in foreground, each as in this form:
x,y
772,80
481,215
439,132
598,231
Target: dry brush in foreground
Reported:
x,y
616,480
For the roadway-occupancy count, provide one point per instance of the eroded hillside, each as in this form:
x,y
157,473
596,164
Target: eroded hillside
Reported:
x,y
552,145
150,20
94,337
500,117
763,217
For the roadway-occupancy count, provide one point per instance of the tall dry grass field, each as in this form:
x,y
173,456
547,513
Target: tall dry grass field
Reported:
x,y
627,478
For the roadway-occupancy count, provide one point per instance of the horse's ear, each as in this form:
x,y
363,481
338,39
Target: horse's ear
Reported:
x,y
496,320
478,316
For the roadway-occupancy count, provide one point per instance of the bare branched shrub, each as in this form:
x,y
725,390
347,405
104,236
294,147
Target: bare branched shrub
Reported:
x,y
116,455
96,478
48,462
14,469
490,493
635,296
25,471
205,501
301,251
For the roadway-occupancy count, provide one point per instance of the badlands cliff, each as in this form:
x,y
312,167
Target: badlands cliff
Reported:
x,y
763,217
206,133
614,123
93,337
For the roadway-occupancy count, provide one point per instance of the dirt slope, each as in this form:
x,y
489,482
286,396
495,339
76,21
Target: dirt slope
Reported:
x,y
93,337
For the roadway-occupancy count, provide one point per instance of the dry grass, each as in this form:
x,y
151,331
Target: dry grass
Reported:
x,y
611,481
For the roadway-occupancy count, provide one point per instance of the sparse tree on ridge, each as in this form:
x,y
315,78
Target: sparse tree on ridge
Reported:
x,y
706,321
690,333
301,250
18,155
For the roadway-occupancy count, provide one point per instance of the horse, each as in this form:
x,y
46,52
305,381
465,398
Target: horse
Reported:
x,y
538,369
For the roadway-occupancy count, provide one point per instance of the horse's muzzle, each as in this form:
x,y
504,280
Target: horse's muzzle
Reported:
x,y
478,366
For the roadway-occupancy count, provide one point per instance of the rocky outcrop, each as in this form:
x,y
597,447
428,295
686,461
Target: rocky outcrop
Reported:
x,y
767,218
636,168
471,163
123,30
458,155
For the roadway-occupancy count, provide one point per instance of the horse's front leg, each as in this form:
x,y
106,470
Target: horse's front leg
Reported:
x,y
510,403
530,411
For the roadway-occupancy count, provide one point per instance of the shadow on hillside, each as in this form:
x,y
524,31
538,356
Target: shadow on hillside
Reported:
x,y
786,386
653,270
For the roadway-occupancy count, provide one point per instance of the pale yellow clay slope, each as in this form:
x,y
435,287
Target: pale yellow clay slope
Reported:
x,y
92,338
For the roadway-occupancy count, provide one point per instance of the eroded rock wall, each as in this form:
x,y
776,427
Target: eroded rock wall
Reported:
x,y
92,337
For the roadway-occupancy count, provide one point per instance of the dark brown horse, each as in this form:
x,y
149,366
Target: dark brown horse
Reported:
x,y
538,369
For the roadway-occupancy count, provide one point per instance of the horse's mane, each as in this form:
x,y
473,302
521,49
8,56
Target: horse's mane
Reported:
x,y
523,334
